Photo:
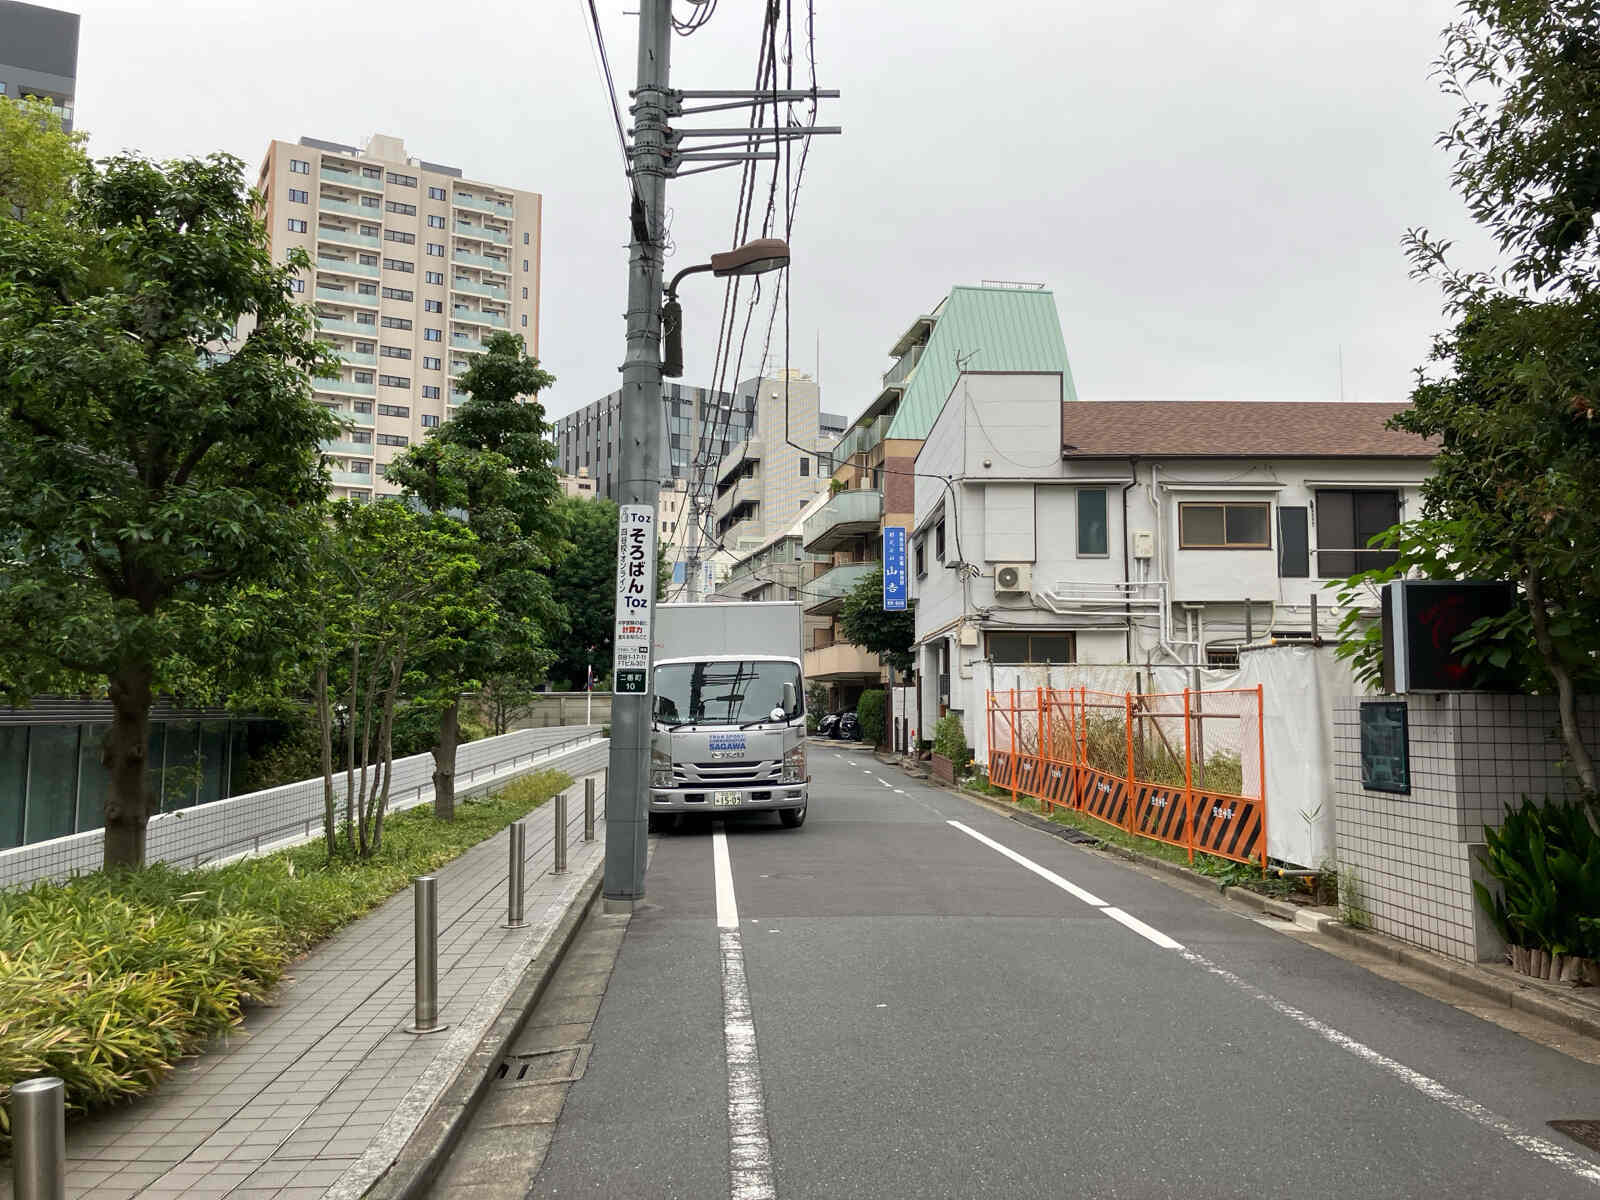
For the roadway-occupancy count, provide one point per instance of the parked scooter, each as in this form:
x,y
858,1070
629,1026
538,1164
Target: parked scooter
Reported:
x,y
849,727
828,726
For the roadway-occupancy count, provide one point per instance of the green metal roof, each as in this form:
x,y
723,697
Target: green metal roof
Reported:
x,y
993,329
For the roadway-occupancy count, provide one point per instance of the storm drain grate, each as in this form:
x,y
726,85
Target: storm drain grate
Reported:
x,y
563,1064
1585,1133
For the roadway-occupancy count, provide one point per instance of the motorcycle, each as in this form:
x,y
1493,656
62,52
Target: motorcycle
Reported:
x,y
827,726
849,727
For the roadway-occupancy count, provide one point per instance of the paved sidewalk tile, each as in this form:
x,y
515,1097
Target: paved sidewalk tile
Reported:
x,y
291,1100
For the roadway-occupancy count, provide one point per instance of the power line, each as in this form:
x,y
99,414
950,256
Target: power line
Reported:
x,y
599,44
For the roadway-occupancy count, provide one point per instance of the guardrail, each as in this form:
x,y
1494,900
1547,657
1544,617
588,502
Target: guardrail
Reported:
x,y
1145,763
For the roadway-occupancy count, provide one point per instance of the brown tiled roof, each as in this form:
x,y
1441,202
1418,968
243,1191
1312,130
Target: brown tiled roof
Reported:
x,y
1235,429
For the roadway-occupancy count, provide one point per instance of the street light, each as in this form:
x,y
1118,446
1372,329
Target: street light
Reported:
x,y
752,258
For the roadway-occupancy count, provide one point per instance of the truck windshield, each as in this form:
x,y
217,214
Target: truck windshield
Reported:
x,y
726,692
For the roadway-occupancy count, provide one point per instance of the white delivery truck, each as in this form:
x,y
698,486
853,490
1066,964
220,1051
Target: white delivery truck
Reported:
x,y
728,730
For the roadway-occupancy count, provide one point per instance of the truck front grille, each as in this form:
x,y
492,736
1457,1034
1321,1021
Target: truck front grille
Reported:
x,y
724,774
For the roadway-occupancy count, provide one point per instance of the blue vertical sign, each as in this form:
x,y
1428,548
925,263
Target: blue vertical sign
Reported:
x,y
894,568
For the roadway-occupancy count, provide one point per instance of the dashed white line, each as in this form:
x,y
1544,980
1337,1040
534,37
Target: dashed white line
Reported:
x,y
885,782
1556,1155
749,1148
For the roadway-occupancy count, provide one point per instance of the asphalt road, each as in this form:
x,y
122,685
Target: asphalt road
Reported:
x,y
933,1018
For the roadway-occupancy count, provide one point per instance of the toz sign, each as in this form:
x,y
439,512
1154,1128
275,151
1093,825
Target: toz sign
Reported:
x,y
636,582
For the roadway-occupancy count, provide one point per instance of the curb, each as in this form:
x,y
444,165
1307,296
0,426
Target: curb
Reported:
x,y
1522,998
414,1169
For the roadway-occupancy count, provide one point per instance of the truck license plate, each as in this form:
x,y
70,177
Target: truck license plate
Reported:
x,y
725,799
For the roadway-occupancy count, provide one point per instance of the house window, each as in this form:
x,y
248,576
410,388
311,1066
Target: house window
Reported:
x,y
296,225
393,410
435,193
524,320
395,352
405,210
938,541
432,335
434,276
430,363
403,181
1346,522
805,467
1093,541
396,322
433,306
436,250
393,439
394,381
297,196
435,222
1243,526
524,293
524,239
430,393
922,559
299,167
401,236
400,264
405,294
524,264
429,421
1031,647
371,172
297,285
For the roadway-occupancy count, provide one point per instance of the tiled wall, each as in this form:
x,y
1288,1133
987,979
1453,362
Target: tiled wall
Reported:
x,y
291,813
1414,857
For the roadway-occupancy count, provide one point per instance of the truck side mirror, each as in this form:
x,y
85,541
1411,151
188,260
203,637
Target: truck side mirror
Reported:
x,y
791,702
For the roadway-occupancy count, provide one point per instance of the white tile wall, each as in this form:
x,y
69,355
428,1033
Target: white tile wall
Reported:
x,y
291,813
1414,857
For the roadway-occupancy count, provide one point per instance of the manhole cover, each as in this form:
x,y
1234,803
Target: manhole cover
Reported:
x,y
1584,1132
563,1064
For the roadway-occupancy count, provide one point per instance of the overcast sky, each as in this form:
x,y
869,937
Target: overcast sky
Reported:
x,y
1214,192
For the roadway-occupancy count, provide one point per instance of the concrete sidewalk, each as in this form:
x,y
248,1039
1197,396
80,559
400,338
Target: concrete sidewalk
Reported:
x,y
317,1093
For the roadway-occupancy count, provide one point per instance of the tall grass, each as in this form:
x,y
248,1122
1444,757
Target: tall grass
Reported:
x,y
109,979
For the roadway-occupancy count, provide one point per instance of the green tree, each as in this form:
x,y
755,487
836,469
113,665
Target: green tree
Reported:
x,y
585,577
1516,381
395,588
865,623
38,160
153,464
490,467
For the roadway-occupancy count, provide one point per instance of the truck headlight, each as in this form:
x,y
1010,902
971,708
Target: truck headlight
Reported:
x,y
794,764
660,768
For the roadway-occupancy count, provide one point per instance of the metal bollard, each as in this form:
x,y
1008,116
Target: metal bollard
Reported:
x,y
588,809
39,1133
519,844
424,892
561,835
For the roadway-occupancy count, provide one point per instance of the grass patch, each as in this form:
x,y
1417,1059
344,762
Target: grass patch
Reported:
x,y
107,980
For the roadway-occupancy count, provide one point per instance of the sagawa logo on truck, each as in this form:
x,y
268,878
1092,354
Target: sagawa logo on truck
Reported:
x,y
727,741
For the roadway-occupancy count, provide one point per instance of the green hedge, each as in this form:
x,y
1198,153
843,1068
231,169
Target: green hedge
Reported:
x,y
869,712
109,979
950,740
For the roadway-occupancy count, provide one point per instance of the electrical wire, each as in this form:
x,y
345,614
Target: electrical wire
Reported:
x,y
599,44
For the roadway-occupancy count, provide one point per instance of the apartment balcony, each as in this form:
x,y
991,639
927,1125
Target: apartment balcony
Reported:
x,y
467,229
344,387
348,208
478,289
476,317
346,296
748,528
352,478
350,179
346,449
347,237
356,358
481,204
847,515
340,325
827,591
900,373
356,418
841,662
468,258
345,266
746,491
460,341
735,458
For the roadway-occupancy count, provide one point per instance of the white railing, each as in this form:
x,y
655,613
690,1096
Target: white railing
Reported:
x,y
293,813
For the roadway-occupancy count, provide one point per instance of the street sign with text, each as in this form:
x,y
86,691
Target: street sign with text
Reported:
x,y
894,568
636,577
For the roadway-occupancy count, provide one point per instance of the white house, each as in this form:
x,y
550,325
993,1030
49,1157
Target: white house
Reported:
x,y
1049,530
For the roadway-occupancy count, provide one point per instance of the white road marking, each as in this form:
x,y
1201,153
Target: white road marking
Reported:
x,y
1143,930
749,1149
1550,1152
1555,1155
899,791
885,783
1028,864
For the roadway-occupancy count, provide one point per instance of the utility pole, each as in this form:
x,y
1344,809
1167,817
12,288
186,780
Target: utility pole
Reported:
x,y
628,787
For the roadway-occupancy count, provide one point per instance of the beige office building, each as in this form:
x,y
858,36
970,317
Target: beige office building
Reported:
x,y
413,266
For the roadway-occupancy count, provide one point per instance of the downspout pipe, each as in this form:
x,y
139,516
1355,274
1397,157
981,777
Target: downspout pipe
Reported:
x,y
1127,571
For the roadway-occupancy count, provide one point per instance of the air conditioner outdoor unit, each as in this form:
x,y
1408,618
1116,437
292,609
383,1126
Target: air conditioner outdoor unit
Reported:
x,y
1013,578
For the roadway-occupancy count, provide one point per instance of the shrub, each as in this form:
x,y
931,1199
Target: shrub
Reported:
x,y
870,713
1546,858
816,705
109,979
950,740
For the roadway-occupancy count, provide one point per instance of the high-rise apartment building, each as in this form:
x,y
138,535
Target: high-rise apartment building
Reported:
x,y
39,55
691,418
761,483
413,267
